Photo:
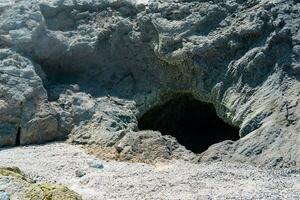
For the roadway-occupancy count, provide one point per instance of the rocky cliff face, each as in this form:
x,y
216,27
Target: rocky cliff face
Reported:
x,y
89,70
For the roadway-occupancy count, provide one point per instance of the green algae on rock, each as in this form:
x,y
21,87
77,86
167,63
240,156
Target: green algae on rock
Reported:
x,y
33,191
46,191
14,172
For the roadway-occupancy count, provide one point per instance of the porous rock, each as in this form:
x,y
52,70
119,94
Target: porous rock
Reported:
x,y
25,115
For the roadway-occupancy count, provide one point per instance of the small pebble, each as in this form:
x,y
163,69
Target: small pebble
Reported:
x,y
80,173
95,164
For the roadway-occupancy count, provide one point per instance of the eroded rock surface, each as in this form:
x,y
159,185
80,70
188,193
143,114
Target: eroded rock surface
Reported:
x,y
93,68
25,114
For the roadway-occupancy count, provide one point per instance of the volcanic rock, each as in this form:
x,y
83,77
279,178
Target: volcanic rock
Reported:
x,y
90,70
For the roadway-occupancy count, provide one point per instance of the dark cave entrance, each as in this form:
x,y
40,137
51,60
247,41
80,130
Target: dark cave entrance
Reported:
x,y
195,124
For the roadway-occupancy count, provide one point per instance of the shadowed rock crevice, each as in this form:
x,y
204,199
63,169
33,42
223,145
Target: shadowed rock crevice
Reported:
x,y
195,124
18,137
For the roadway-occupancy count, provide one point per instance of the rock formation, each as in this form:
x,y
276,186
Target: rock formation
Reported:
x,y
90,70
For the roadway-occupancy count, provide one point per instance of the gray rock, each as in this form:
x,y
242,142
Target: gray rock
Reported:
x,y
80,173
146,146
4,195
241,56
90,120
26,116
95,164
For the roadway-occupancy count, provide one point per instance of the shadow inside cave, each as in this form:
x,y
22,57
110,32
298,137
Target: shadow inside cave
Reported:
x,y
193,123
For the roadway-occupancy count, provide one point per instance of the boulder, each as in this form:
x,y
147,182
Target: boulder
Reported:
x,y
25,114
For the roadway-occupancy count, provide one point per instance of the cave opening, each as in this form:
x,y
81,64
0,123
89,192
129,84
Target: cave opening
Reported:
x,y
193,123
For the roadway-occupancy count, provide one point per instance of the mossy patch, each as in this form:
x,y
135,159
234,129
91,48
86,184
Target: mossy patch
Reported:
x,y
46,191
43,191
14,172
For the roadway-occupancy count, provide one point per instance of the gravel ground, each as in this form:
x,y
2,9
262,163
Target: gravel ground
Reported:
x,y
98,179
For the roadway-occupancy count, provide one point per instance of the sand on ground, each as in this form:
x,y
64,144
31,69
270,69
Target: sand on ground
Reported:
x,y
70,165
